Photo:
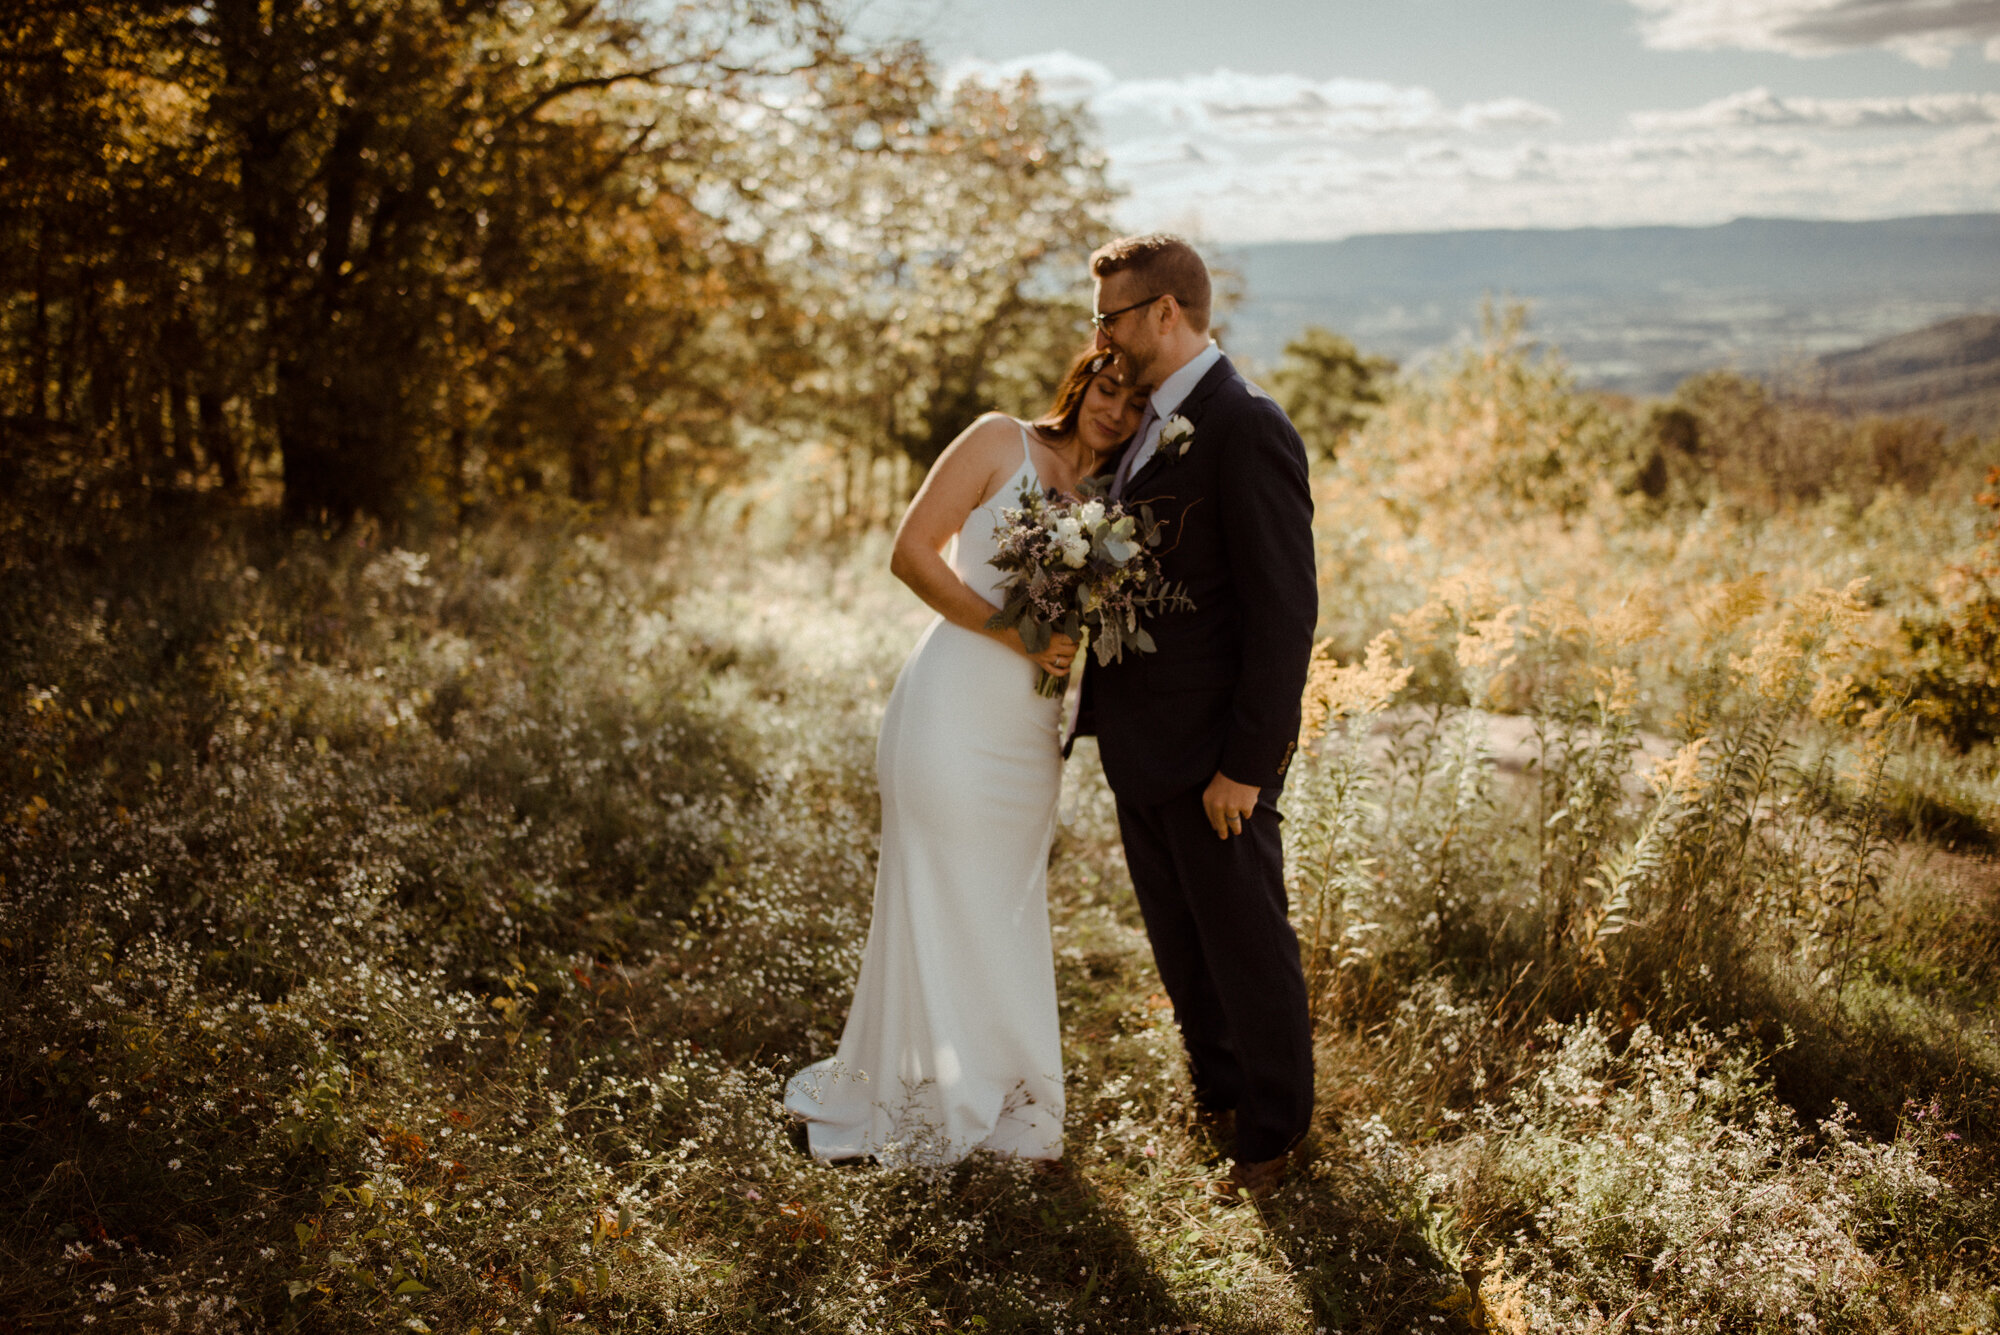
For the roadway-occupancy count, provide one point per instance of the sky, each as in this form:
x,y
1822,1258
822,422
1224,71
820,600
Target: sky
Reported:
x,y
1240,121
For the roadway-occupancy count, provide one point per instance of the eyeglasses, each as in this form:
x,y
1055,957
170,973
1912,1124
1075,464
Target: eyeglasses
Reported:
x,y
1102,323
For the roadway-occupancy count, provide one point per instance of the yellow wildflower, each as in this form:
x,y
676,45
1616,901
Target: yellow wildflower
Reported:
x,y
1620,689
1629,623
1818,625
1559,616
1366,687
1484,645
1729,605
1457,599
1679,775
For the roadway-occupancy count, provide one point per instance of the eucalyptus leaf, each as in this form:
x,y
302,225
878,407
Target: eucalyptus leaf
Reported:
x,y
1006,617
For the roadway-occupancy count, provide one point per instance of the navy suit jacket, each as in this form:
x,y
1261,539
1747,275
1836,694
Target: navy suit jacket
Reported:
x,y
1222,690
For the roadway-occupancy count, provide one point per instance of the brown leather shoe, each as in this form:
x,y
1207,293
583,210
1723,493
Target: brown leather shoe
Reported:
x,y
1249,1181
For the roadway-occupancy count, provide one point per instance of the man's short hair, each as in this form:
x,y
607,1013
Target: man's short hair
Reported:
x,y
1164,264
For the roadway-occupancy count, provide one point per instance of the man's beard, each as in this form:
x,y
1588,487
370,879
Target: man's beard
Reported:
x,y
1142,370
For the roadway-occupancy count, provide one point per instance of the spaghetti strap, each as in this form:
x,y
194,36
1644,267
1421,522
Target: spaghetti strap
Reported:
x,y
1028,454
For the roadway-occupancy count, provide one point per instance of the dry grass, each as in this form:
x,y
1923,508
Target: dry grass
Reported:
x,y
418,939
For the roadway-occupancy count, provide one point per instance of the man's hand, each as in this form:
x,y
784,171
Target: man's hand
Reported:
x,y
1055,659
1228,804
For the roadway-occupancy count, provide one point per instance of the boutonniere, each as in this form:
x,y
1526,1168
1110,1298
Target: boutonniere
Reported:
x,y
1177,435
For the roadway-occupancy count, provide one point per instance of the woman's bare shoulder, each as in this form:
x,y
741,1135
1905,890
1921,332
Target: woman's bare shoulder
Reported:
x,y
995,426
990,437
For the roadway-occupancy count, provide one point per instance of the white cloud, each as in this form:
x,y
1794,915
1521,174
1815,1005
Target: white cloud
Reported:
x,y
1237,157
1759,106
1062,75
1279,107
1927,32
1263,107
1698,178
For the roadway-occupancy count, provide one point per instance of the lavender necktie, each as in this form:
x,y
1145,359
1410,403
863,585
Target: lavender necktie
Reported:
x,y
1130,462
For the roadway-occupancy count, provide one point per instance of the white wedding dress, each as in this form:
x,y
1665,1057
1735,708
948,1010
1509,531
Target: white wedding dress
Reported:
x,y
952,1044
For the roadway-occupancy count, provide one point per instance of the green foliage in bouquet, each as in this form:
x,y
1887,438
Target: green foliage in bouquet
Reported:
x,y
1082,566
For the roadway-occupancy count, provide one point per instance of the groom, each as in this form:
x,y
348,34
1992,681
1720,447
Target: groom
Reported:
x,y
1195,737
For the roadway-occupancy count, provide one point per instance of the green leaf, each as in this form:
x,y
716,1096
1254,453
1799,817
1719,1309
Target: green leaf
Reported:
x,y
297,1288
1144,641
1009,616
412,1286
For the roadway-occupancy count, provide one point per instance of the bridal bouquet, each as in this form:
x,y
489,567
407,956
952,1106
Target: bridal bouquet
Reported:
x,y
1083,566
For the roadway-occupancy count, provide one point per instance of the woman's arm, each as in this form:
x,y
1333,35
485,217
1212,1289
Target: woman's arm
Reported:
x,y
958,483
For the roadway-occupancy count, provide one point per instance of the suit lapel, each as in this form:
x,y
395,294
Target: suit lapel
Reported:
x,y
1191,408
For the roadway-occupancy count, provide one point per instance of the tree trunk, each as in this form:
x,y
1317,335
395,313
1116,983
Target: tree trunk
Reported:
x,y
582,466
180,428
38,347
149,427
99,388
459,489
72,347
216,442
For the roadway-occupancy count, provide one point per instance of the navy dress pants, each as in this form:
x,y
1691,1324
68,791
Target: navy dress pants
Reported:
x,y
1216,913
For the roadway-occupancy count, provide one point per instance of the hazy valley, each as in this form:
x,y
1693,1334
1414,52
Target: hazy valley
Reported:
x,y
1639,308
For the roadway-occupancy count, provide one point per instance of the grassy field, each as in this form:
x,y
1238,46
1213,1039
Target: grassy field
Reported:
x,y
416,935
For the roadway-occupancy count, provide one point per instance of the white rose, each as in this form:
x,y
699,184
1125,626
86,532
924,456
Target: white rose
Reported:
x,y
1092,513
1076,550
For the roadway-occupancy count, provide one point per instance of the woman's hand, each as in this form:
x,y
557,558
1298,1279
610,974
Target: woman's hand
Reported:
x,y
1057,657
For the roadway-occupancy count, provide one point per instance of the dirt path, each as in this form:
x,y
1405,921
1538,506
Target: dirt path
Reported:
x,y
1511,740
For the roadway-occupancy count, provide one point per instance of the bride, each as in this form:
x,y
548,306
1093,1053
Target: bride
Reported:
x,y
952,1043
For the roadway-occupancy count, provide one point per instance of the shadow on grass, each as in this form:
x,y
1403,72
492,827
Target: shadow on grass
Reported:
x,y
1366,1250
989,1244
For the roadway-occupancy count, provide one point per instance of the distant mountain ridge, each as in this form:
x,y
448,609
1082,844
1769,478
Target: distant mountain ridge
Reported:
x,y
1634,308
1950,370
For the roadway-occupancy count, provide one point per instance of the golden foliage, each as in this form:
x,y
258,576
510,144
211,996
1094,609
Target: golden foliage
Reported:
x,y
1485,644
1617,690
1679,775
1558,617
1335,691
1810,635
1729,604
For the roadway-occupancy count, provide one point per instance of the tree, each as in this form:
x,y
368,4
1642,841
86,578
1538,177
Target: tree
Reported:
x,y
425,254
384,240
936,244
1328,388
